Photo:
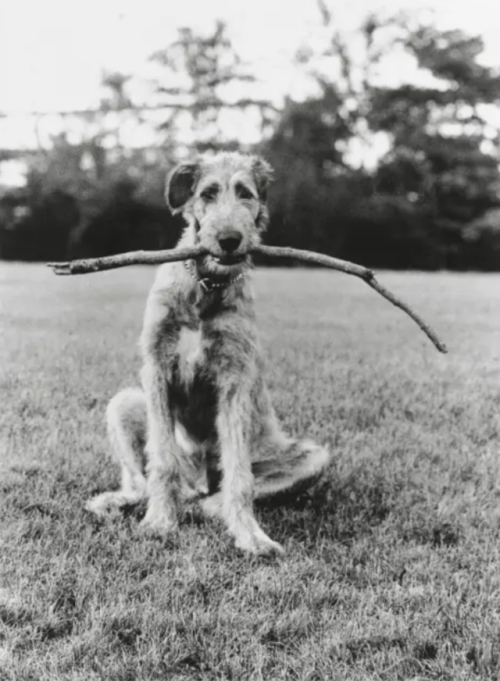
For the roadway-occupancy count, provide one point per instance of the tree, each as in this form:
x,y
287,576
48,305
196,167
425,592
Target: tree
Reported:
x,y
444,147
437,167
312,179
204,83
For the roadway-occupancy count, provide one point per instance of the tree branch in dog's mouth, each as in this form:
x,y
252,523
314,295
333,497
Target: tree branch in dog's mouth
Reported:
x,y
109,262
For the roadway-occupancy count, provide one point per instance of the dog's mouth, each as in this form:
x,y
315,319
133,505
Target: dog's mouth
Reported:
x,y
229,260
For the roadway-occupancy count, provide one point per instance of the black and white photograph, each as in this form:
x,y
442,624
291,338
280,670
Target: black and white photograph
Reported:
x,y
250,340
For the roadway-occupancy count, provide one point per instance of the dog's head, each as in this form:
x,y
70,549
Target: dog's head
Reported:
x,y
223,199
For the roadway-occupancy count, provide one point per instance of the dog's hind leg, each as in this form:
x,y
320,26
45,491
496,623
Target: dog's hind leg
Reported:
x,y
126,424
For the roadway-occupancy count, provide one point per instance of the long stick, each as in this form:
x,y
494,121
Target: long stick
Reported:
x,y
158,257
358,271
110,262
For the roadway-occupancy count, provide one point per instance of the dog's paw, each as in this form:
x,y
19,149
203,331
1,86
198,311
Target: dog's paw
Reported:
x,y
258,543
161,526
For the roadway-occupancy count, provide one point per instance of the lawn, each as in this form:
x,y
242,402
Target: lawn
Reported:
x,y
392,569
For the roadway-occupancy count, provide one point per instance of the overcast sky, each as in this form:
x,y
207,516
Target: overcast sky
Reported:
x,y
53,52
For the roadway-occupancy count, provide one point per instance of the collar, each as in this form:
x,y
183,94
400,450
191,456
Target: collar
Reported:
x,y
209,284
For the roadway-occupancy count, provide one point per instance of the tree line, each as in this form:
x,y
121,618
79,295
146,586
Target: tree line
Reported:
x,y
430,200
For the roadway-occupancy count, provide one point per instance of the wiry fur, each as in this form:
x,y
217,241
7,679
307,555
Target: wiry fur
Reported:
x,y
203,426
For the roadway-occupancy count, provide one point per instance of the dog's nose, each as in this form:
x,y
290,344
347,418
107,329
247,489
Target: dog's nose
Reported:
x,y
230,241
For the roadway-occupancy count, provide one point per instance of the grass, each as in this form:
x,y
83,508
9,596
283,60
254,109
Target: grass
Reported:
x,y
392,570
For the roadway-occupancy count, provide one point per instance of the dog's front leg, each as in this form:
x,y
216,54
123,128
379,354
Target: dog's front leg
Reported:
x,y
233,425
161,450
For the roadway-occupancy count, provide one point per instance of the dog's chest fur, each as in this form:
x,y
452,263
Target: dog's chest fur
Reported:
x,y
192,390
190,354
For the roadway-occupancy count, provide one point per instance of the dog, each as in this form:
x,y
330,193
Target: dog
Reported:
x,y
203,428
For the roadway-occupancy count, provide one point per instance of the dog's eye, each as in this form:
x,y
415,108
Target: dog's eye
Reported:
x,y
210,193
242,192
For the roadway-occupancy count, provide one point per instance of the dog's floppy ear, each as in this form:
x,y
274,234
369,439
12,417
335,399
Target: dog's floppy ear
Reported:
x,y
181,184
263,175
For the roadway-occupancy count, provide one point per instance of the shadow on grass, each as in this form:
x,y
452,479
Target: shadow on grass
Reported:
x,y
337,509
344,508
341,509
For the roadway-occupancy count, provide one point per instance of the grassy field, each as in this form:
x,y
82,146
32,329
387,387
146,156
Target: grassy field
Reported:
x,y
392,570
